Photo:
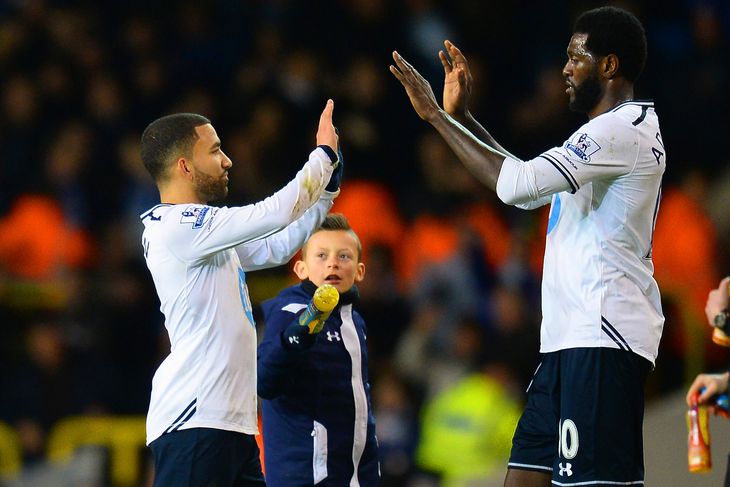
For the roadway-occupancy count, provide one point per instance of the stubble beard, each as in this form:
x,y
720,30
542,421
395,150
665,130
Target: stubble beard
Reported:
x,y
586,95
209,188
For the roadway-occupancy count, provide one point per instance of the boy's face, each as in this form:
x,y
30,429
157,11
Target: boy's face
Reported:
x,y
330,257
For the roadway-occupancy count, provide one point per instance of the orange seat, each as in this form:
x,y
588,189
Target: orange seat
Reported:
x,y
429,240
37,242
371,209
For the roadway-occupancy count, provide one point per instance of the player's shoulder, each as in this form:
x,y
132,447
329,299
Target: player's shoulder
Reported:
x,y
156,213
625,116
629,107
189,216
611,133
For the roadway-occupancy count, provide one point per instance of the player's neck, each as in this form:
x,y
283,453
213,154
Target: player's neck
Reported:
x,y
177,195
615,95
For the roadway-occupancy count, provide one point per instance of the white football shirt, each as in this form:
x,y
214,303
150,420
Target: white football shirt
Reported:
x,y
604,184
198,256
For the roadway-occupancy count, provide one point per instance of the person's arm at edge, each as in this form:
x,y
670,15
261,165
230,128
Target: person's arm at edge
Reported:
x,y
711,383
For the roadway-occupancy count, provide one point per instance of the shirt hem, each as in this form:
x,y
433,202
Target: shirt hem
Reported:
x,y
641,353
218,425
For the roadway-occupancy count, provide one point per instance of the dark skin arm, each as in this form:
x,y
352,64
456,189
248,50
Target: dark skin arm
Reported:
x,y
458,83
483,161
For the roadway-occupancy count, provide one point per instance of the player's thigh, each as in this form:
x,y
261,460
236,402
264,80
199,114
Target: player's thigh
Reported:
x,y
202,456
534,443
527,478
601,416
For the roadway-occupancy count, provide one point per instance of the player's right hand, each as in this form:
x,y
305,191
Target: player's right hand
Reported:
x,y
419,90
457,81
326,134
717,300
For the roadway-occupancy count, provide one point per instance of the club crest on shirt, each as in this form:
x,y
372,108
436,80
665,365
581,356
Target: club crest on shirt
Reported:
x,y
582,146
195,215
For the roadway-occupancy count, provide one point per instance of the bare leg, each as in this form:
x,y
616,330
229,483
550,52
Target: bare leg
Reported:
x,y
526,478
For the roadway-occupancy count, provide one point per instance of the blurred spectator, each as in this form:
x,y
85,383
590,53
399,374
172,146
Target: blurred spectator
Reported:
x,y
397,430
466,430
685,253
382,302
52,382
514,334
430,360
19,137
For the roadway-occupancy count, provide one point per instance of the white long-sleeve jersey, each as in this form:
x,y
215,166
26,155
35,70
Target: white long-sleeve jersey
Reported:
x,y
198,256
604,184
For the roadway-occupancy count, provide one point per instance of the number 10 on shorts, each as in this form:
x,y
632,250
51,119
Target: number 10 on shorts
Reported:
x,y
568,440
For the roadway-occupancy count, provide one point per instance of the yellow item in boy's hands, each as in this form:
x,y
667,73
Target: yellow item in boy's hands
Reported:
x,y
323,302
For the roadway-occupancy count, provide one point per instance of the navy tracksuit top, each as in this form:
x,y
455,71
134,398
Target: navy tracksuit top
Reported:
x,y
318,426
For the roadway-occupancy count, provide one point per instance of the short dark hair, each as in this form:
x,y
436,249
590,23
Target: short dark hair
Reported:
x,y
334,222
168,137
612,30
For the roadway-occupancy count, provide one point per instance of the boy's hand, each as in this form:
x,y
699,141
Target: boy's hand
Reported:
x,y
323,302
300,334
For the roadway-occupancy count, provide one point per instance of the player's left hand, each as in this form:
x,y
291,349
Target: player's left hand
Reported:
x,y
326,133
417,88
457,81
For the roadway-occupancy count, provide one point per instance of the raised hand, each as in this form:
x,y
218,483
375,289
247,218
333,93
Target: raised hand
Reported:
x,y
417,88
457,81
326,133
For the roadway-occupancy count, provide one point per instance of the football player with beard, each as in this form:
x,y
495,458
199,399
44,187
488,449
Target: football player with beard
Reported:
x,y
602,317
203,410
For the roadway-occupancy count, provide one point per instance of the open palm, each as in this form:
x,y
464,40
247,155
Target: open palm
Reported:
x,y
457,80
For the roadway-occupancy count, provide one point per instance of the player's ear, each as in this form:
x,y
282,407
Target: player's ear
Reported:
x,y
183,167
359,272
300,269
610,65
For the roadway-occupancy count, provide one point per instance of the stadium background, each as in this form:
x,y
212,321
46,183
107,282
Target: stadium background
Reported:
x,y
452,291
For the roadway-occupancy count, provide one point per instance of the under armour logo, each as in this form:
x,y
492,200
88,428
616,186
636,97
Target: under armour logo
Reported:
x,y
566,469
335,335
294,339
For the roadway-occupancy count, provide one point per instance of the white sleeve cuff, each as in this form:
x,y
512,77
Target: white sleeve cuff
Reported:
x,y
516,182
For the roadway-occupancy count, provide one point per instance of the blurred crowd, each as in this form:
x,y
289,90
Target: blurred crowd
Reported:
x,y
452,294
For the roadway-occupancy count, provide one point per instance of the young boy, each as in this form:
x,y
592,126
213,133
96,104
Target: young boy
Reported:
x,y
318,426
